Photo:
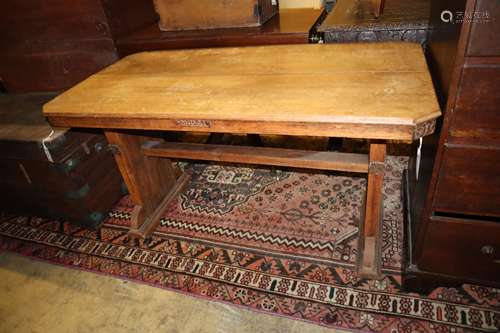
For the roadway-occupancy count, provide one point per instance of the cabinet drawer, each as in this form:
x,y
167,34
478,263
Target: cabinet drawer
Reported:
x,y
469,181
485,30
476,115
465,248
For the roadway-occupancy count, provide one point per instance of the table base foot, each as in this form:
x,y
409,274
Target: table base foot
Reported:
x,y
369,262
151,222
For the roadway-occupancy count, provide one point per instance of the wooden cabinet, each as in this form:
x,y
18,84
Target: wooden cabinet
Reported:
x,y
484,33
476,116
49,45
454,234
469,181
473,251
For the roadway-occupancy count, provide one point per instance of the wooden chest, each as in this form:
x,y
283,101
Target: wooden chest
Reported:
x,y
53,172
209,14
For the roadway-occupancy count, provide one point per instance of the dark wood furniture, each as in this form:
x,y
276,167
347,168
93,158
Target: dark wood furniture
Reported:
x,y
363,21
289,26
454,236
239,90
53,172
50,45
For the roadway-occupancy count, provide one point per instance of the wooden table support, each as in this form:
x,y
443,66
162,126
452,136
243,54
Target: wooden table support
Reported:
x,y
374,165
294,158
369,242
152,182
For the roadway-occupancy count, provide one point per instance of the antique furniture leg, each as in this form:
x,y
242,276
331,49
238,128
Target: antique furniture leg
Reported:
x,y
152,182
369,245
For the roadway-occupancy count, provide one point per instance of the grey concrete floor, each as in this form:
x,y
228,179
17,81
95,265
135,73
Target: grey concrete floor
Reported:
x,y
39,297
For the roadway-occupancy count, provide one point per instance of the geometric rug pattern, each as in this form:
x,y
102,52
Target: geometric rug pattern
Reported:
x,y
276,241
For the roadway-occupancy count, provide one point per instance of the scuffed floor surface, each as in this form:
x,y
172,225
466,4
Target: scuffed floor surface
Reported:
x,y
39,297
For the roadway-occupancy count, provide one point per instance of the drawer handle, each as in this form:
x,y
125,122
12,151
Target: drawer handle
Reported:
x,y
487,250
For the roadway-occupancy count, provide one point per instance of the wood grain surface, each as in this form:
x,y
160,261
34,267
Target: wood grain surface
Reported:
x,y
384,85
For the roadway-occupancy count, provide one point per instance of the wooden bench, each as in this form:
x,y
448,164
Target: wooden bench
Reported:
x,y
372,91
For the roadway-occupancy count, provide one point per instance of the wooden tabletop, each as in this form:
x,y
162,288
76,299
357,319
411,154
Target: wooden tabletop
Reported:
x,y
378,90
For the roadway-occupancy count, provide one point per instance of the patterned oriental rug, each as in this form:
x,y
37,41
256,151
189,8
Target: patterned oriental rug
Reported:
x,y
270,240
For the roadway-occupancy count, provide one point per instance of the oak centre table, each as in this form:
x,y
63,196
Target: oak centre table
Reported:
x,y
377,91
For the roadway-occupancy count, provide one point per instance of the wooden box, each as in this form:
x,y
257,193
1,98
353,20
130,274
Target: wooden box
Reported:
x,y
209,14
53,172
